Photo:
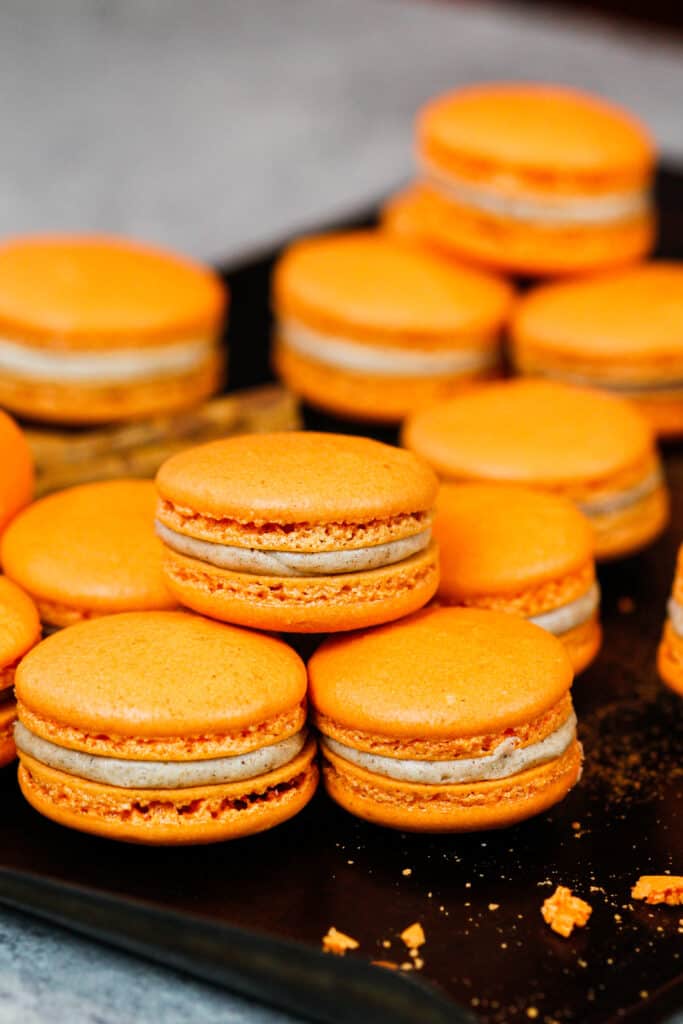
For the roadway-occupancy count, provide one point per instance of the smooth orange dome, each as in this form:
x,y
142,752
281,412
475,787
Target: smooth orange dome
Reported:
x,y
19,622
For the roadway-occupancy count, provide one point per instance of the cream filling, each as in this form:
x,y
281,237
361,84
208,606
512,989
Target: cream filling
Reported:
x,y
113,366
293,563
675,611
623,499
569,616
383,360
115,771
507,759
609,208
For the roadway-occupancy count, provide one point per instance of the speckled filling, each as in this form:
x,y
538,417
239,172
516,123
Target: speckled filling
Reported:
x,y
608,208
130,774
675,611
610,503
389,361
561,620
293,563
507,759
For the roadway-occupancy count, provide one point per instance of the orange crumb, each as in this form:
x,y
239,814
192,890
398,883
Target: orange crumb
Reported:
x,y
386,943
563,911
407,966
532,1012
659,889
413,936
494,906
419,963
337,942
389,964
407,872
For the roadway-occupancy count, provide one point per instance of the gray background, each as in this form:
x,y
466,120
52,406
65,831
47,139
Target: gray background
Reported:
x,y
217,127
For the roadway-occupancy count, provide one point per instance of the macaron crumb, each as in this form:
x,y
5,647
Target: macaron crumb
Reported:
x,y
387,964
413,936
659,889
494,906
563,911
532,1012
338,942
407,872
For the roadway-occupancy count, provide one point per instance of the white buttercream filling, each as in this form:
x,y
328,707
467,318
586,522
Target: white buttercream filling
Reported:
x,y
113,366
623,499
569,616
116,771
293,563
383,360
603,209
507,759
675,616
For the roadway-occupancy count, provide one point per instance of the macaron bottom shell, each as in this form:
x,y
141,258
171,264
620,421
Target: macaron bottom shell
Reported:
x,y
664,411
305,604
414,807
670,659
629,529
8,716
583,643
172,817
372,398
52,401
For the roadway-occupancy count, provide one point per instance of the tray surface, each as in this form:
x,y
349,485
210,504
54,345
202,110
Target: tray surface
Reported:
x,y
478,897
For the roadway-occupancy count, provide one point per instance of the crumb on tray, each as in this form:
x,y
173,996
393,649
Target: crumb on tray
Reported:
x,y
338,943
659,889
563,911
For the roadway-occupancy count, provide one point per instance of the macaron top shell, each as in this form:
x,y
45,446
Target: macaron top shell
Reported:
x,y
297,477
497,538
441,673
631,315
19,622
67,289
90,547
535,127
367,283
158,674
531,431
16,476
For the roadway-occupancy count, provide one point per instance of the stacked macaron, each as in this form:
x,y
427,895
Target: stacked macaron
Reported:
x,y
19,631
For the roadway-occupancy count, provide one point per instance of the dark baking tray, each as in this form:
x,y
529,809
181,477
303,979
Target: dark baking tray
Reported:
x,y
478,897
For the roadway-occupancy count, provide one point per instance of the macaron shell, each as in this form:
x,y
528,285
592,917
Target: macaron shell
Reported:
x,y
632,528
473,807
90,549
204,814
670,659
88,289
17,477
532,432
305,604
502,539
582,644
297,477
8,717
19,623
443,672
537,128
369,286
160,674
663,411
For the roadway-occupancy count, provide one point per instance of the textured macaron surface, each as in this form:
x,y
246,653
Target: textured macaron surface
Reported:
x,y
90,548
19,623
159,674
68,288
16,474
541,128
369,284
630,316
295,478
499,538
439,674
532,431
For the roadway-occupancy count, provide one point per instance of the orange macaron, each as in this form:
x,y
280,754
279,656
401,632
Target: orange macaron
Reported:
x,y
453,720
164,728
533,179
587,445
299,532
622,331
17,476
96,329
510,549
88,551
370,328
670,655
19,631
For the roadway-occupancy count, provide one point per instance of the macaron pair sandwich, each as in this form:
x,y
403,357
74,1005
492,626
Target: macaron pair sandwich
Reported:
x,y
88,551
622,331
594,448
670,655
17,477
509,549
164,728
371,328
298,532
19,631
452,720
96,329
532,179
